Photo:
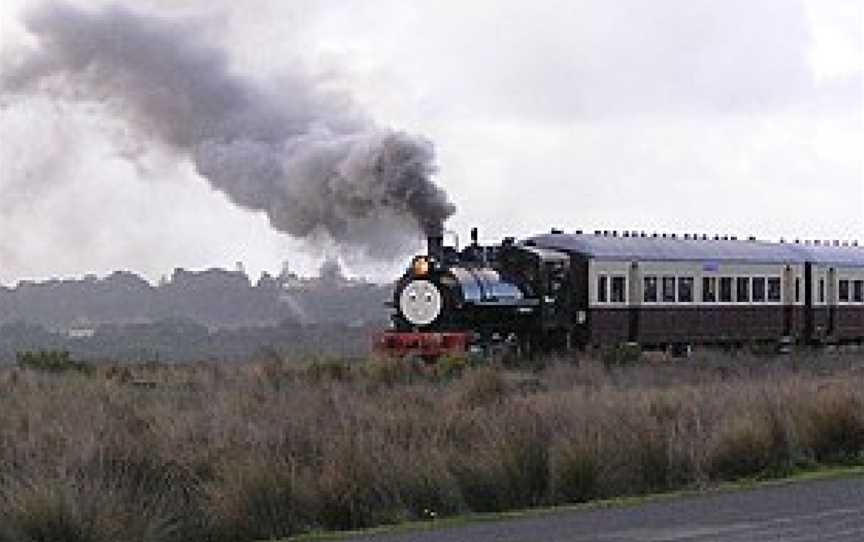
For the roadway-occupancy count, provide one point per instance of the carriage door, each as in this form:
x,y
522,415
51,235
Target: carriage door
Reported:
x,y
788,301
809,309
831,299
634,284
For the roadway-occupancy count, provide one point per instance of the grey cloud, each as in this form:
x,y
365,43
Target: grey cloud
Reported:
x,y
306,158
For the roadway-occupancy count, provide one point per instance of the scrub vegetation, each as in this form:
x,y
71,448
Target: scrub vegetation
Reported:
x,y
257,451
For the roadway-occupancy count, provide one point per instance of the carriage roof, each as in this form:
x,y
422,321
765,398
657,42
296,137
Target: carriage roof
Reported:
x,y
649,248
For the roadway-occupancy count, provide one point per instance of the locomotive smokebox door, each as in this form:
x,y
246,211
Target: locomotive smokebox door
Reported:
x,y
421,302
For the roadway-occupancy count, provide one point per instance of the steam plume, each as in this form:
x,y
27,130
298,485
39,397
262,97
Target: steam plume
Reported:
x,y
302,156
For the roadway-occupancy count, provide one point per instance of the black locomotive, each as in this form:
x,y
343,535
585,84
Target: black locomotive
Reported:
x,y
559,291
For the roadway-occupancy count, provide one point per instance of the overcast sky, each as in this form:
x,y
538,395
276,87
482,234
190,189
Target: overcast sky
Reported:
x,y
708,116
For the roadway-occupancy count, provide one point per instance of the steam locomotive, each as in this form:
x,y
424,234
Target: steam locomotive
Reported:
x,y
562,291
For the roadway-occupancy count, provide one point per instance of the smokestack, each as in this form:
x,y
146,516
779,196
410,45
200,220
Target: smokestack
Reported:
x,y
305,157
435,244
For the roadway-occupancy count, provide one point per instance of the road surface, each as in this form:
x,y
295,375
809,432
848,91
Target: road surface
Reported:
x,y
816,511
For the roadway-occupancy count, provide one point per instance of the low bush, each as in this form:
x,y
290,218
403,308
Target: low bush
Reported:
x,y
575,467
51,361
835,424
250,452
262,501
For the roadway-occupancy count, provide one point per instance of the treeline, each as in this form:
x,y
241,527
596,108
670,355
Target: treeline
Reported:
x,y
213,298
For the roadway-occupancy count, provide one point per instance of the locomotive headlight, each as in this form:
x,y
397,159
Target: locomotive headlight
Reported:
x,y
421,266
420,302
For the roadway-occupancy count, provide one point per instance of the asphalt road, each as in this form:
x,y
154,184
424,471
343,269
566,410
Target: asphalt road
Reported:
x,y
817,511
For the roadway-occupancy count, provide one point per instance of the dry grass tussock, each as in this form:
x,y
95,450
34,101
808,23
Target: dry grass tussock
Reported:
x,y
260,451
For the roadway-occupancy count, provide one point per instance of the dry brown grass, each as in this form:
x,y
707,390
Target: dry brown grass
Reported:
x,y
258,451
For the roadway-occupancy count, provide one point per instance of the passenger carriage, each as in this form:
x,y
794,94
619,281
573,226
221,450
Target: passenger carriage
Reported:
x,y
668,289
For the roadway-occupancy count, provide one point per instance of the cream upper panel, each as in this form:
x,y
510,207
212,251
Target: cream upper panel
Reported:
x,y
826,283
634,274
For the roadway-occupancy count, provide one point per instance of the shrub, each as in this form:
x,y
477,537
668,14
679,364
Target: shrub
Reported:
x,y
264,500
104,501
746,446
510,467
482,481
835,425
47,510
356,483
219,453
482,387
575,471
333,371
428,489
51,361
451,366
621,354
389,372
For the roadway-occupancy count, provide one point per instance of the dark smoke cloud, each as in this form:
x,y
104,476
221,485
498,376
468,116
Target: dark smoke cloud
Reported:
x,y
303,156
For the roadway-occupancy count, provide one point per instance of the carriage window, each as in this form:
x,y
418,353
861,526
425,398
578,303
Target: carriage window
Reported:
x,y
743,286
602,289
650,295
758,289
685,289
669,289
843,290
821,290
858,291
725,289
797,289
709,289
618,289
774,289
